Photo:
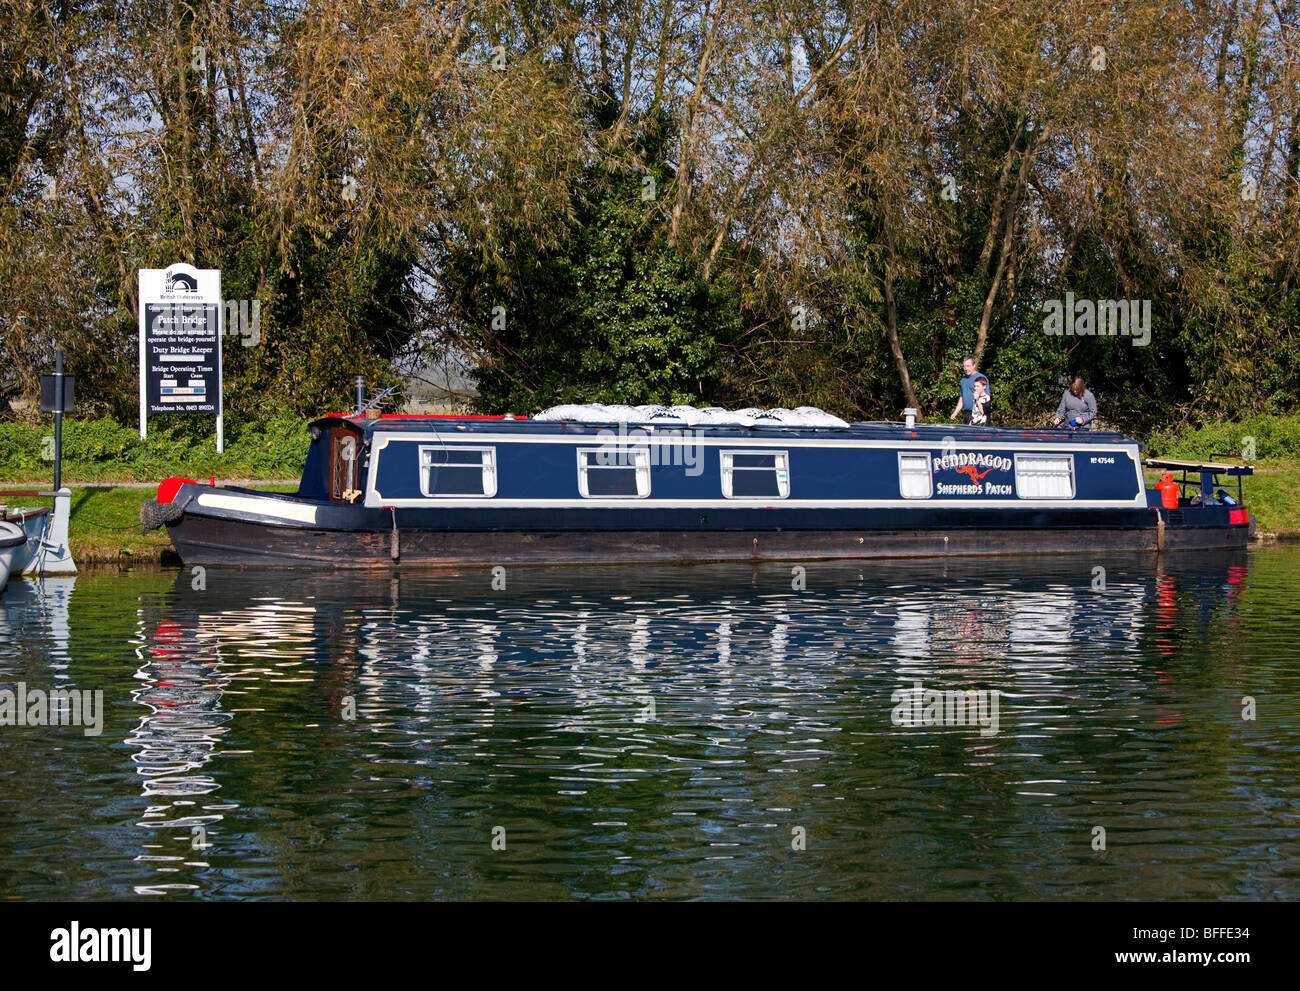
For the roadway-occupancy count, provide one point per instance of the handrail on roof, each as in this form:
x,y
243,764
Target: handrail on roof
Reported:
x,y
1217,468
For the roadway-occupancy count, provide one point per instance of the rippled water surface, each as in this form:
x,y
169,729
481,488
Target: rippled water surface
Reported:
x,y
662,733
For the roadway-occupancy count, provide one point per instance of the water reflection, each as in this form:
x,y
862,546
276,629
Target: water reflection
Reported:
x,y
661,732
34,615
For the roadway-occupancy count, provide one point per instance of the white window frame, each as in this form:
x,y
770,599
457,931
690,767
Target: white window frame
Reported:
x,y
637,458
1055,455
929,475
489,468
781,467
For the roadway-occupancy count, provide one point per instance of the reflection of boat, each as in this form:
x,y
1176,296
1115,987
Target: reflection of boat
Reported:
x,y
34,619
911,605
615,639
617,485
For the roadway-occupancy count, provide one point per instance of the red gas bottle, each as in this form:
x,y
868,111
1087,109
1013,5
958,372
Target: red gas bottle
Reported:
x,y
1168,490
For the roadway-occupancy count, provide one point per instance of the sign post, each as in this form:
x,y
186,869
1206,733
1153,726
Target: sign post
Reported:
x,y
181,313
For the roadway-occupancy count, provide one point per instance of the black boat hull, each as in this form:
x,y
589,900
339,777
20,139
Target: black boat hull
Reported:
x,y
216,540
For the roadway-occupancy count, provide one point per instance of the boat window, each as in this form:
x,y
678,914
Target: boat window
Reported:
x,y
1045,476
755,474
610,473
458,471
914,478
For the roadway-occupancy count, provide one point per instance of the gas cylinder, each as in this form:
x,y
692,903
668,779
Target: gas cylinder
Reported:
x,y
1168,490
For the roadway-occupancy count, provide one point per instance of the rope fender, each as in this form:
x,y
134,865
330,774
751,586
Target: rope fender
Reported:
x,y
154,514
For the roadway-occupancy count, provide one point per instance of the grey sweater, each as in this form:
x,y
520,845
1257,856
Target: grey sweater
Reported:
x,y
1072,408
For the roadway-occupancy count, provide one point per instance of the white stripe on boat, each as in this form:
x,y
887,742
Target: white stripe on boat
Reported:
x,y
374,500
262,507
673,435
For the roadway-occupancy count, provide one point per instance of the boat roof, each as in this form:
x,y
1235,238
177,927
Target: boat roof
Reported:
x,y
937,433
1217,467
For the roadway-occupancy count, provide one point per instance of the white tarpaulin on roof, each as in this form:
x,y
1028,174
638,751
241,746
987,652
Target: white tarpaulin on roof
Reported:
x,y
804,416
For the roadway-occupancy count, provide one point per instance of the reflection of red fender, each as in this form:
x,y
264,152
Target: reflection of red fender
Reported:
x,y
168,488
165,634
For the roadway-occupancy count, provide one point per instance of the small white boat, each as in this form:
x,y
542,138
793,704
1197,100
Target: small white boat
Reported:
x,y
21,532
13,544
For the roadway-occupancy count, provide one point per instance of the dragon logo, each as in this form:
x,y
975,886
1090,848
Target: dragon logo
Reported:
x,y
974,475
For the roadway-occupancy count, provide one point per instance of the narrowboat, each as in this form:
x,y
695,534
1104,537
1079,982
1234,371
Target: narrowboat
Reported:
x,y
601,484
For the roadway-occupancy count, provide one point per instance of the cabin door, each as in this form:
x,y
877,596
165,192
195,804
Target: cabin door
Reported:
x,y
345,462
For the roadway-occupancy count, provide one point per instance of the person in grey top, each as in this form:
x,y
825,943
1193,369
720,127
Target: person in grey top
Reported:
x,y
1078,406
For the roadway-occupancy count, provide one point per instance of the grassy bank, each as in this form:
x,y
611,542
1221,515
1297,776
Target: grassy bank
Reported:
x,y
104,451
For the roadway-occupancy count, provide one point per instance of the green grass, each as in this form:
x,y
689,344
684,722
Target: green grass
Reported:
x,y
1263,440
1271,496
104,451
105,523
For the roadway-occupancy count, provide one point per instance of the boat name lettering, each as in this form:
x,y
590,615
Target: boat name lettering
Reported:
x,y
979,488
972,459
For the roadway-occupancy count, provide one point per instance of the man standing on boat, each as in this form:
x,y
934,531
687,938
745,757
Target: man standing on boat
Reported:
x,y
966,402
1078,406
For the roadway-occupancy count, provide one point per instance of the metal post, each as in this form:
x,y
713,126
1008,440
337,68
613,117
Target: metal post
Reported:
x,y
360,382
221,404
58,420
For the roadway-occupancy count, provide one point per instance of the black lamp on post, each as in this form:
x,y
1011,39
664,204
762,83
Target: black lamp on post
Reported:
x,y
57,397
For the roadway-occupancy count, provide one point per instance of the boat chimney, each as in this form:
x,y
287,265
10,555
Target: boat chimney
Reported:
x,y
909,417
360,383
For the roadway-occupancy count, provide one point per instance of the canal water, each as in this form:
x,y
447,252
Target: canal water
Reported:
x,y
1092,727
